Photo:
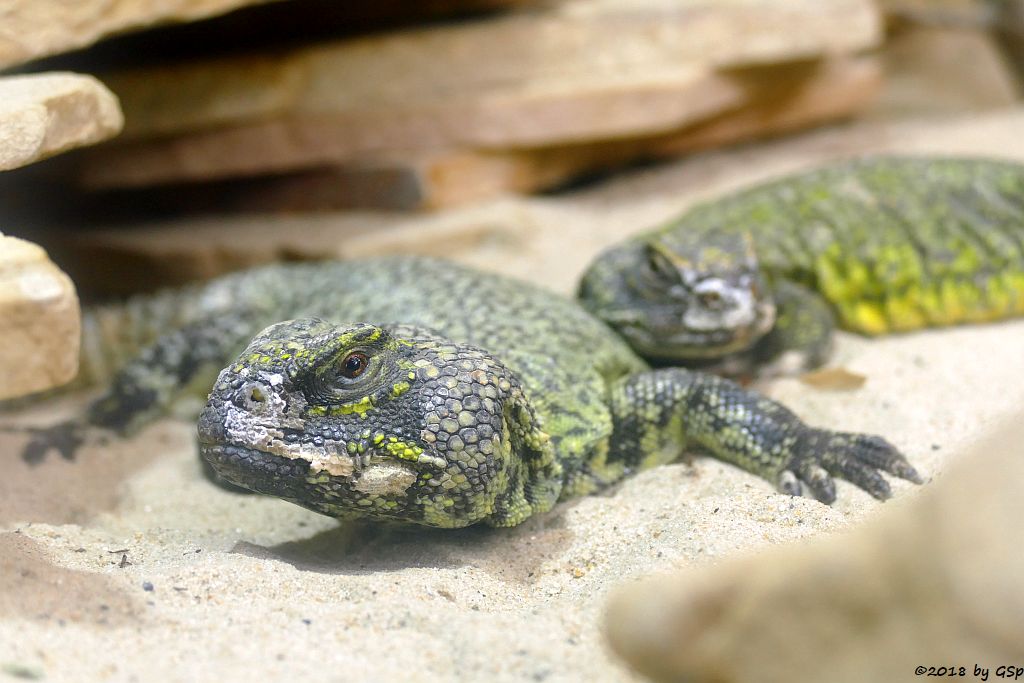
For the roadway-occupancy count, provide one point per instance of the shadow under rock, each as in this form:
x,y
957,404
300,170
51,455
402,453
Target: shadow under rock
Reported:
x,y
514,554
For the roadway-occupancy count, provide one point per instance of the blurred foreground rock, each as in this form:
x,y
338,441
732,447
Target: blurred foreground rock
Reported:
x,y
449,113
39,321
938,582
45,114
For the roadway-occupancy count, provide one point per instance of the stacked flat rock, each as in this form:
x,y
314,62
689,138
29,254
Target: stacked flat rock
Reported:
x,y
446,113
36,28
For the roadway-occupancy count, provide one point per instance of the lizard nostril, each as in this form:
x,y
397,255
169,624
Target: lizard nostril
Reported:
x,y
713,300
251,396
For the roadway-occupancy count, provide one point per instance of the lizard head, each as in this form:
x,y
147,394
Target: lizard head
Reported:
x,y
676,296
359,420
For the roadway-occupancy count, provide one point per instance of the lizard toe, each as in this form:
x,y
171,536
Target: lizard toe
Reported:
x,y
818,481
861,475
789,483
878,453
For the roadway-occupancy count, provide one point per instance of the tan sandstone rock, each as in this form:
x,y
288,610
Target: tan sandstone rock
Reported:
x,y
45,114
36,28
1009,29
776,99
936,583
39,321
943,70
569,72
961,13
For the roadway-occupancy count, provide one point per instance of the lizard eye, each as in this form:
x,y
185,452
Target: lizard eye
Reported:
x,y
343,378
353,365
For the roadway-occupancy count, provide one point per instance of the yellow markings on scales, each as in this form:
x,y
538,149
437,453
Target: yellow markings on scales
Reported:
x,y
894,294
957,300
351,336
360,407
1013,285
402,449
905,312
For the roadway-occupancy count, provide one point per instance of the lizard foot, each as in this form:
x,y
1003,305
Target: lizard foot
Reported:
x,y
858,458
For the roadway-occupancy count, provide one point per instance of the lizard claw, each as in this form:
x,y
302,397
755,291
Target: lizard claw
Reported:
x,y
858,458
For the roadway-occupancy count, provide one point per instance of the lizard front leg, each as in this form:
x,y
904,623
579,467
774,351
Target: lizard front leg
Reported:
x,y
658,414
801,338
183,360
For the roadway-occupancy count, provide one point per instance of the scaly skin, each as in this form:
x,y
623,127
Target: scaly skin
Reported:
x,y
479,398
887,244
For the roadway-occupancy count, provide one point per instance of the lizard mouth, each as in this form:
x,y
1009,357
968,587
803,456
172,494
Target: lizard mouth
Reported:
x,y
690,344
313,471
251,447
380,481
664,332
289,478
256,470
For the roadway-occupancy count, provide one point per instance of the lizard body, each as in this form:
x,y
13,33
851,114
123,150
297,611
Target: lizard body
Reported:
x,y
457,397
875,245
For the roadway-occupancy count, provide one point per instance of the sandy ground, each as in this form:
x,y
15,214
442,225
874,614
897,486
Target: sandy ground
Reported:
x,y
128,565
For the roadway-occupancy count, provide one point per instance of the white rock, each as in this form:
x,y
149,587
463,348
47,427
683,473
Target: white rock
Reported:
x,y
45,114
39,321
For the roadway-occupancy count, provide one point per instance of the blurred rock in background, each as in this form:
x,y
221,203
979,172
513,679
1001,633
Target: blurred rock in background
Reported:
x,y
944,57
443,114
372,114
30,29
1008,23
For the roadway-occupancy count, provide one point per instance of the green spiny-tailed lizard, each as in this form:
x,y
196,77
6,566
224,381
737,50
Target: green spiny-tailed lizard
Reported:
x,y
756,282
418,390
